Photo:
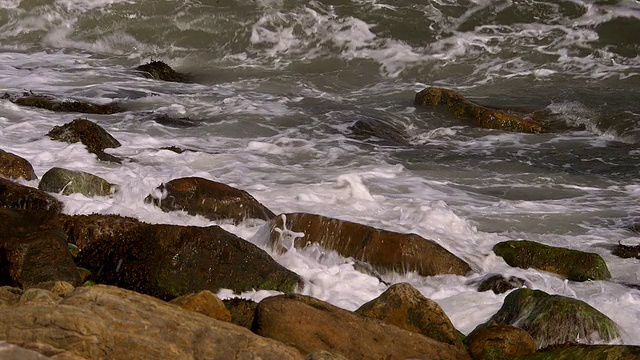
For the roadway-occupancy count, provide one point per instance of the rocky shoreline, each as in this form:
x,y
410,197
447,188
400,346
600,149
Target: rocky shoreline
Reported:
x,y
111,287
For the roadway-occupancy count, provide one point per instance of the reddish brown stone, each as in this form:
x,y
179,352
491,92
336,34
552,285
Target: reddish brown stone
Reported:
x,y
496,341
14,167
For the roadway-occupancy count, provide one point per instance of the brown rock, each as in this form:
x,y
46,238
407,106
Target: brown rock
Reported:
x,y
405,307
16,196
499,284
213,200
48,350
10,351
46,102
9,296
158,70
496,341
384,250
95,138
34,249
14,167
168,261
479,115
312,325
324,355
36,296
60,288
206,303
242,311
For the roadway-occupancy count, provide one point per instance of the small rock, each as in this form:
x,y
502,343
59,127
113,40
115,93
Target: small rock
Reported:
x,y
206,303
499,342
67,182
45,102
60,288
14,167
35,296
94,137
498,283
625,251
242,311
160,71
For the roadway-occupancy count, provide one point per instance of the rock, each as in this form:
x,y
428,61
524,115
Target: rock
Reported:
x,y
479,115
625,251
16,196
384,250
312,325
213,200
499,342
206,303
555,319
14,167
586,352
36,296
324,355
48,350
14,352
381,132
498,283
175,149
95,138
104,322
60,288
34,249
573,264
9,296
242,311
405,307
158,70
67,182
45,102
183,122
168,261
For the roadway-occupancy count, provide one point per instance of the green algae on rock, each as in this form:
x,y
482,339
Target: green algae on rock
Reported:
x,y
479,115
586,352
555,319
575,265
67,182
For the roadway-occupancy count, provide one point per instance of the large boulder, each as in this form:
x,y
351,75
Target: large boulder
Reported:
x,y
34,249
211,199
49,103
14,167
499,342
573,264
405,307
67,182
312,325
479,115
168,261
385,250
16,196
586,352
94,137
104,322
555,319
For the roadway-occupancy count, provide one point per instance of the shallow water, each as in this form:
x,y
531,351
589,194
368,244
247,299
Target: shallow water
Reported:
x,y
278,85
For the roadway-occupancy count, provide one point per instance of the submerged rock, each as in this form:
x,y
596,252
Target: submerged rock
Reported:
x,y
14,167
160,71
16,196
312,325
168,261
211,199
34,249
479,115
45,102
555,319
573,264
586,352
10,351
384,250
625,251
499,342
94,137
378,131
405,307
183,122
498,283
67,182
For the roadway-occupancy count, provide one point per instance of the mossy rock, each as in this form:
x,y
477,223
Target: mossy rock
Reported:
x,y
586,352
67,182
45,102
160,71
479,115
573,264
555,319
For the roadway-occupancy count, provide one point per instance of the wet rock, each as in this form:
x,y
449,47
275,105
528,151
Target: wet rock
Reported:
x,y
168,261
67,182
384,250
175,149
45,102
211,199
498,283
242,311
586,352
16,196
555,319
14,167
625,251
479,115
312,325
104,322
405,307
183,122
33,249
10,351
204,302
573,264
158,70
499,342
378,131
94,137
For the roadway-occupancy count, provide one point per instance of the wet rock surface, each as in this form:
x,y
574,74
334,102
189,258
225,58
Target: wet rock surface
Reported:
x,y
94,137
158,70
67,182
496,342
49,103
14,167
16,196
